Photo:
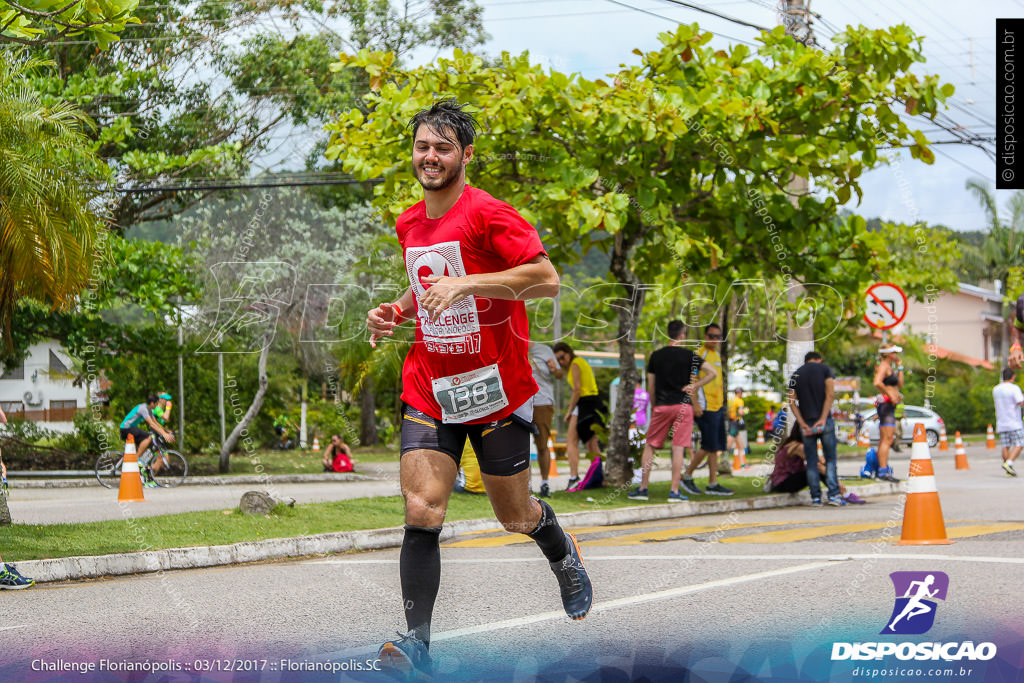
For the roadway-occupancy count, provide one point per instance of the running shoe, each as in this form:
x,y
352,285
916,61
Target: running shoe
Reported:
x,y
676,497
11,579
717,489
1008,466
815,503
407,658
836,501
573,581
854,499
572,482
690,487
147,480
885,474
638,495
545,492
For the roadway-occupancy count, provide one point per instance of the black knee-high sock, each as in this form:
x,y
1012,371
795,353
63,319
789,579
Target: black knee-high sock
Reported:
x,y
420,569
549,534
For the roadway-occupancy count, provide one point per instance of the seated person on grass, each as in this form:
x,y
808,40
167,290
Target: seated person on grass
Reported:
x,y
332,462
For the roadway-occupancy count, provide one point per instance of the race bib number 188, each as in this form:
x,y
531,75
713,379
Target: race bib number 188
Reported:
x,y
471,395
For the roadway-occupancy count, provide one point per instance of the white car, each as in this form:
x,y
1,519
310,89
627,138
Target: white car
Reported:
x,y
912,416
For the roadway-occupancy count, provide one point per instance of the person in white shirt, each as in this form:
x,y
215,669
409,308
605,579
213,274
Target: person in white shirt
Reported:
x,y
1008,399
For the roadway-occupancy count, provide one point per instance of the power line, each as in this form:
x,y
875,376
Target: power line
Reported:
x,y
241,186
676,21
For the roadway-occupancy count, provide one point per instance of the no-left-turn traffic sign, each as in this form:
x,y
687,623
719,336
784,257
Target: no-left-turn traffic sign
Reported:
x,y
886,305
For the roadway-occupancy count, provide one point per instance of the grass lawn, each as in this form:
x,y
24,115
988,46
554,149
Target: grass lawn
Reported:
x,y
285,462
33,542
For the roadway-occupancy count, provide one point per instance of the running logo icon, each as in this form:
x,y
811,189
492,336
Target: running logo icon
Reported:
x,y
916,592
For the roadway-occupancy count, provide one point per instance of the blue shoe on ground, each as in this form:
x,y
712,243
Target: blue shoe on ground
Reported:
x,y
676,497
407,658
11,579
836,501
637,494
573,581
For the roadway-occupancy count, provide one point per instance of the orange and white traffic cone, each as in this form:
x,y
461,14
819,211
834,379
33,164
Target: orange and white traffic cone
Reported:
x,y
130,489
961,454
760,437
553,468
863,439
943,442
922,516
990,439
737,459
316,444
821,451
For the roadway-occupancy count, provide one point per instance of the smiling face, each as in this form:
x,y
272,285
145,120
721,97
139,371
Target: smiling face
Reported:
x,y
438,161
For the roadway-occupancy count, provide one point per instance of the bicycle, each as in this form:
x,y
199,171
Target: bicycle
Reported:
x,y
171,474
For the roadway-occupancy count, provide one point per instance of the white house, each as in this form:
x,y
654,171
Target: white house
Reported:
x,y
40,388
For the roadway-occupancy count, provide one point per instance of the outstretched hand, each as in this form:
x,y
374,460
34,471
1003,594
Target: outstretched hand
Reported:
x,y
381,322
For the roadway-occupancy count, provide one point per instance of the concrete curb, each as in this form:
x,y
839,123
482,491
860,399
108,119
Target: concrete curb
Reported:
x,y
240,479
77,568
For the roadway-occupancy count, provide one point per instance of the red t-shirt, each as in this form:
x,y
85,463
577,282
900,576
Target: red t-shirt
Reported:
x,y
474,358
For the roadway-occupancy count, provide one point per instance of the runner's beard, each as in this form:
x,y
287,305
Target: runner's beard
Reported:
x,y
438,182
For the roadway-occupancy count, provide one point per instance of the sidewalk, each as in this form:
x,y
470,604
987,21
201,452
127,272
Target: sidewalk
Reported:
x,y
79,568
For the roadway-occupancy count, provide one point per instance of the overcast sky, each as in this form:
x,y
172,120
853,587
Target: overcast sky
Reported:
x,y
593,37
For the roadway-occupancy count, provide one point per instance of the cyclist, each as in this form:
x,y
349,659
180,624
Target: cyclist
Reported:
x,y
281,425
163,415
130,425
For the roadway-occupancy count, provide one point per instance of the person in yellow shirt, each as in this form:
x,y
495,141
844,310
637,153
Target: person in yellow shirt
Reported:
x,y
712,422
585,409
737,425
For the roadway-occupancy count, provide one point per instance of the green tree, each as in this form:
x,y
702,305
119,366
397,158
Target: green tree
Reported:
x,y
45,21
49,178
202,90
670,162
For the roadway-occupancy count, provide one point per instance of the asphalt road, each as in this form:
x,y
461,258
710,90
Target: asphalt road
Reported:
x,y
753,596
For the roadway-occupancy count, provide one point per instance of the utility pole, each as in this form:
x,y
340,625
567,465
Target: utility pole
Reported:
x,y
181,379
795,16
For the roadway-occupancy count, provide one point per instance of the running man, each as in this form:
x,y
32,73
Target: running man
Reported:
x,y
143,413
471,261
914,606
1008,399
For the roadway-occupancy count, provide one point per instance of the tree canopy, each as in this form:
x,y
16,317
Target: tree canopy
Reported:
x,y
680,163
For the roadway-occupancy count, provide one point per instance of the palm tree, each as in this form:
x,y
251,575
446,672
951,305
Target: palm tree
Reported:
x,y
1003,247
48,178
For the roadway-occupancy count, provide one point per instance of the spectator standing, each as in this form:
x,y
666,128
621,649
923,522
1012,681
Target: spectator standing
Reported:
x,y
1008,399
888,380
585,409
737,425
542,358
712,422
789,474
671,373
811,392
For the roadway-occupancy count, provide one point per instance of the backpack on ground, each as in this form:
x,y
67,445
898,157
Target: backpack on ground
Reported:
x,y
343,462
593,479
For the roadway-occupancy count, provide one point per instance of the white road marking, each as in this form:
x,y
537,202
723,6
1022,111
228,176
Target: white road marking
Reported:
x,y
632,601
8,628
676,558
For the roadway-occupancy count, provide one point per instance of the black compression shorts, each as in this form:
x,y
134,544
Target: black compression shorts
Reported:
x,y
139,434
886,414
502,448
